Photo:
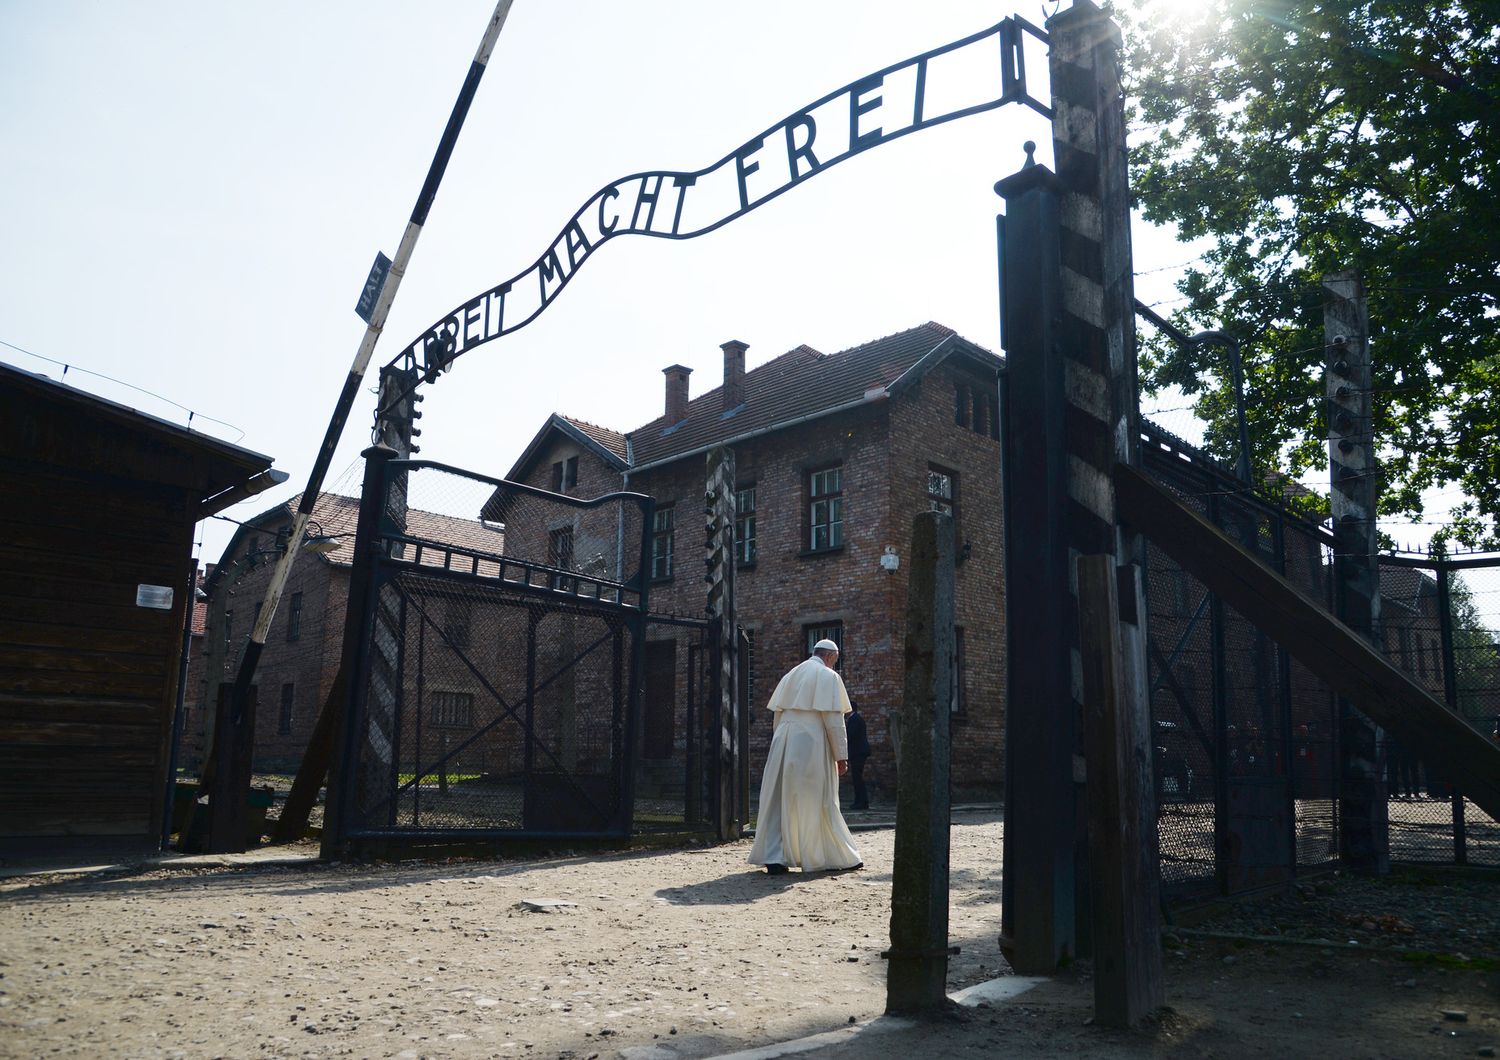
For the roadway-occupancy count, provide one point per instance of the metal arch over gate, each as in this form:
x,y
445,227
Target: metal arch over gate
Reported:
x,y
978,73
496,658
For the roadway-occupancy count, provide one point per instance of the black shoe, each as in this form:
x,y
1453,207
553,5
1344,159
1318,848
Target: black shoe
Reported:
x,y
776,870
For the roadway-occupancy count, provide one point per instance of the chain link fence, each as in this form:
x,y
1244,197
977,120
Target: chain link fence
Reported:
x,y
1439,620
1246,738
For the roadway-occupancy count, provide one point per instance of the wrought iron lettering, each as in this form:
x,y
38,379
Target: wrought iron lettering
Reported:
x,y
938,86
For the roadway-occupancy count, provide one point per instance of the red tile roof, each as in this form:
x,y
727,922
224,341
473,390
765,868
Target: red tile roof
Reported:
x,y
614,441
336,516
799,384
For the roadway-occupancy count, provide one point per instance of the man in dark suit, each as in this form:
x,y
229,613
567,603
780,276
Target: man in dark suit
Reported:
x,y
859,752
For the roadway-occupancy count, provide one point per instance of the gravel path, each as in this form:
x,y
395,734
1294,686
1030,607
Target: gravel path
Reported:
x,y
688,953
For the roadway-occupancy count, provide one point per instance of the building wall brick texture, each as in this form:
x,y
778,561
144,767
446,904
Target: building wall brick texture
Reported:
x,y
885,448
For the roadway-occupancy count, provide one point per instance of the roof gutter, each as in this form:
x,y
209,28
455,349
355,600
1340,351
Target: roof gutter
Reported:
x,y
267,479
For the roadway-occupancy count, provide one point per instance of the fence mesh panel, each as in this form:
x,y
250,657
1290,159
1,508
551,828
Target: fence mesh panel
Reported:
x,y
501,646
1247,753
1245,736
1449,648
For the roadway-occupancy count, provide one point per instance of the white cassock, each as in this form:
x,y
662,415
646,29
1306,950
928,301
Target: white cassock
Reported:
x,y
799,821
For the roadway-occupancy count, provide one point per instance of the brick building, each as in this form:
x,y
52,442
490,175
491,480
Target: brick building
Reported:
x,y
305,643
835,454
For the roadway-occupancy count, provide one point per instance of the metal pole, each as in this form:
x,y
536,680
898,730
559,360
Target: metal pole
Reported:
x,y
352,383
1450,696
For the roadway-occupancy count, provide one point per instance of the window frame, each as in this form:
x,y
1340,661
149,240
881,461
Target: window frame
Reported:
x,y
294,618
832,629
663,560
953,497
958,696
834,501
561,555
565,474
443,712
745,547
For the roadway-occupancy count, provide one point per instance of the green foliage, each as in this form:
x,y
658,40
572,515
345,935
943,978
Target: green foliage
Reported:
x,y
1307,137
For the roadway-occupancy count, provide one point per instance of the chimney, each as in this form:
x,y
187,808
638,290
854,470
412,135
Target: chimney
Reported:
x,y
677,392
734,373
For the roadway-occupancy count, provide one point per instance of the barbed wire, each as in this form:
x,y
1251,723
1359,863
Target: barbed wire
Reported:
x,y
66,367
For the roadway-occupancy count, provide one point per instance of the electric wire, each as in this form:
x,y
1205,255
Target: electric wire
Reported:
x,y
66,367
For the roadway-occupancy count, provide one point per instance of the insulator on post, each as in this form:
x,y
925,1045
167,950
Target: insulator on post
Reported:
x,y
1344,422
1345,445
1340,366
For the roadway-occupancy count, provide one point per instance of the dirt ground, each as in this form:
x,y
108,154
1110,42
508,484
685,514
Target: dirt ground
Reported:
x,y
688,953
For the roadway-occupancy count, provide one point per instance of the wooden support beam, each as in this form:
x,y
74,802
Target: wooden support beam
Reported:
x,y
1331,650
292,824
917,975
1125,879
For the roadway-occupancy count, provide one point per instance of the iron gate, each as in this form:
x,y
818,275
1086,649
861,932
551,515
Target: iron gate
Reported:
x,y
497,654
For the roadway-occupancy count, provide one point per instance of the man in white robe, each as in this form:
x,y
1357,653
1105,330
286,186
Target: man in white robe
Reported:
x,y
799,821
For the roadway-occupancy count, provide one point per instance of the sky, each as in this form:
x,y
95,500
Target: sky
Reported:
x,y
191,196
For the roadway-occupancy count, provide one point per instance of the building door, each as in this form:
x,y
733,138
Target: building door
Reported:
x,y
661,698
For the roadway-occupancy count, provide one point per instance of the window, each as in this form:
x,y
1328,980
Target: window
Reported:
x,y
662,533
560,555
228,631
456,620
959,698
977,408
284,719
565,475
744,526
942,491
453,709
825,509
560,548
294,618
833,631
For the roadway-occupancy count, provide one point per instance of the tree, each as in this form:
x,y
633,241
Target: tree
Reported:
x,y
1305,137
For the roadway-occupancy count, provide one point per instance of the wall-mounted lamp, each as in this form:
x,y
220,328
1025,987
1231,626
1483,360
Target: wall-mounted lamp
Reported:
x,y
889,561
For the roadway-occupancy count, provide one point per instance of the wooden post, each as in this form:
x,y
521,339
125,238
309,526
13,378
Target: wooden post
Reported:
x,y
1364,827
1039,878
917,974
1125,891
227,778
1072,363
314,768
